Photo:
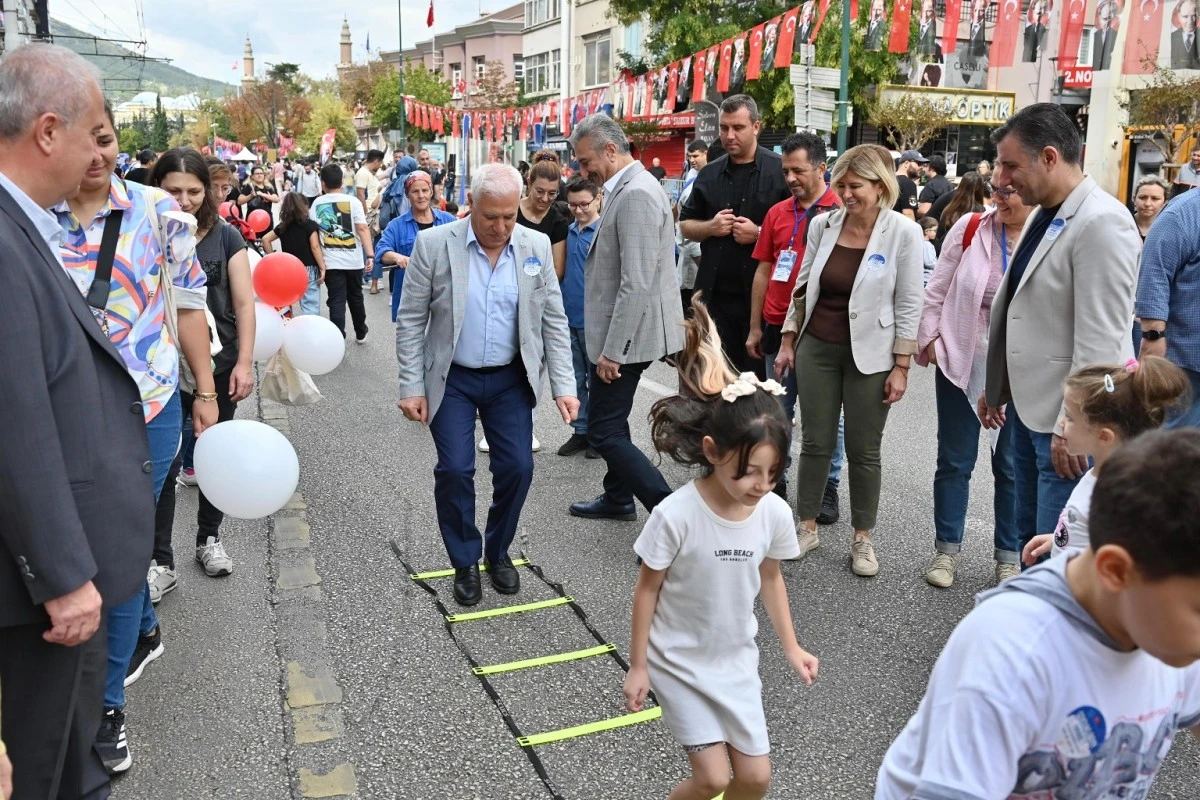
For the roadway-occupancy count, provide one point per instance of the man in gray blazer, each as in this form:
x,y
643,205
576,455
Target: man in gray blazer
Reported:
x,y
631,311
76,500
480,325
1064,302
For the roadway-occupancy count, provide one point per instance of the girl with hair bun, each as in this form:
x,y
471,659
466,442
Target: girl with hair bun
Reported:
x,y
708,551
1105,407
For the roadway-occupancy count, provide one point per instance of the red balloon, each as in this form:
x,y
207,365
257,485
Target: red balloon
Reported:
x,y
223,210
280,279
259,220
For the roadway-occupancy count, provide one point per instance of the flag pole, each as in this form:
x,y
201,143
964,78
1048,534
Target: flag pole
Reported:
x,y
843,106
400,65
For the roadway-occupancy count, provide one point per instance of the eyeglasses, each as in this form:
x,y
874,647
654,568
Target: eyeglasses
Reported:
x,y
1006,191
581,206
546,195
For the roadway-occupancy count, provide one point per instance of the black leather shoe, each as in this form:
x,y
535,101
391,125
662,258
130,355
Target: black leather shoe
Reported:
x,y
591,453
505,578
829,506
467,590
603,508
576,444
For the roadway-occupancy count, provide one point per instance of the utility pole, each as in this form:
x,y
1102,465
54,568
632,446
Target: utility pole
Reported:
x,y
844,105
400,64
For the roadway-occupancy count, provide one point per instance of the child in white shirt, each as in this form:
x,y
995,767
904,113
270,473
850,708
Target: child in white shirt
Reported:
x,y
707,552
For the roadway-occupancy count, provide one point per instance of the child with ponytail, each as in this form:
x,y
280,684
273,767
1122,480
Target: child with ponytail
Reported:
x,y
707,552
1106,406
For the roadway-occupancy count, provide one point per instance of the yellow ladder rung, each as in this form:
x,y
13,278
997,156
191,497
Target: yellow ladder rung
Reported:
x,y
499,612
591,727
557,658
449,573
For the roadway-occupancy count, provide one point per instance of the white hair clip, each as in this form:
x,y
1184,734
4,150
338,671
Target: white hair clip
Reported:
x,y
747,384
1109,386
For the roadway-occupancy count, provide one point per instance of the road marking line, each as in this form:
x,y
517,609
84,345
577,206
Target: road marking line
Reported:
x,y
656,387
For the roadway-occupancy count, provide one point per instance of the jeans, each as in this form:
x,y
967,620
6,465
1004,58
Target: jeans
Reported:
x,y
789,407
583,369
503,401
135,617
310,301
345,288
630,473
208,518
958,450
396,287
1188,416
1040,494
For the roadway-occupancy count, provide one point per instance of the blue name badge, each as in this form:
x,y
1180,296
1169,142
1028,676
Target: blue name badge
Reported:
x,y
1056,227
783,266
533,266
876,262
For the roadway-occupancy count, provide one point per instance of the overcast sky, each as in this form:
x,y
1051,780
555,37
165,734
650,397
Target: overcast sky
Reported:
x,y
301,31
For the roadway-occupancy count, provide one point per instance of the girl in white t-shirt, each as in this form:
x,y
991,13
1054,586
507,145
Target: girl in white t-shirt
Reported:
x,y
707,552
1104,407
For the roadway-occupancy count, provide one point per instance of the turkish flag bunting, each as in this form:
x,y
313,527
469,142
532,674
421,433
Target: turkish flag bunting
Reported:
x,y
1145,31
1072,32
456,132
672,86
554,117
787,39
726,61
568,117
698,75
408,109
425,122
901,13
439,121
820,19
950,26
524,131
756,44
854,10
1008,30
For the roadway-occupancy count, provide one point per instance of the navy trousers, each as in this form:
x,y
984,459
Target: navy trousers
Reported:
x,y
630,473
504,401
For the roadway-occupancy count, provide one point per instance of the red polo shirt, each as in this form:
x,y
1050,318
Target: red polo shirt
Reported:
x,y
782,219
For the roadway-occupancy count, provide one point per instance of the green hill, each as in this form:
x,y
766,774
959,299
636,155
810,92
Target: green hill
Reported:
x,y
125,76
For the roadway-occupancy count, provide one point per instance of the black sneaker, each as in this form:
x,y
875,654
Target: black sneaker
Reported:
x,y
148,648
591,453
111,744
829,506
576,444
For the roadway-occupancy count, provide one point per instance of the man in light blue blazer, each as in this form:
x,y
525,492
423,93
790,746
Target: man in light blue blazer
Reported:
x,y
480,324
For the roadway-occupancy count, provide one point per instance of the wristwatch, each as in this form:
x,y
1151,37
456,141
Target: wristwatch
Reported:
x,y
1154,336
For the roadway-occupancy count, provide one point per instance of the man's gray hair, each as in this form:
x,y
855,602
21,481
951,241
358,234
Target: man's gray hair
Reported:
x,y
496,180
36,79
600,130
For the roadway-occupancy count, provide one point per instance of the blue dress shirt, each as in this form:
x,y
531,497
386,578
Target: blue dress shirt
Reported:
x,y
579,241
489,335
1169,279
46,223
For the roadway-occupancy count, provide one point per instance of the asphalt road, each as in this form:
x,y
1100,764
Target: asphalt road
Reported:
x,y
208,719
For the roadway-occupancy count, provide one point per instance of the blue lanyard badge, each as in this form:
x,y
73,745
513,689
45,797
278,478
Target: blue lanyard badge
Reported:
x,y
1003,251
786,260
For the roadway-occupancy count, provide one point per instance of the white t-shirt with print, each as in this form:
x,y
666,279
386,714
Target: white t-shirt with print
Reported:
x,y
702,657
365,179
1031,700
336,215
1071,533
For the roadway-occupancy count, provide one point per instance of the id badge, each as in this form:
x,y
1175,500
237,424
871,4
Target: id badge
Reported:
x,y
783,266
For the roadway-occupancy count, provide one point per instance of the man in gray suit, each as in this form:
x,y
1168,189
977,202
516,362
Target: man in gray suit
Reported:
x,y
1064,303
76,500
480,324
631,311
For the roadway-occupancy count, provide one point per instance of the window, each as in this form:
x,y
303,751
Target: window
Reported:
x,y
542,72
633,40
539,11
479,65
518,67
456,76
1085,46
597,59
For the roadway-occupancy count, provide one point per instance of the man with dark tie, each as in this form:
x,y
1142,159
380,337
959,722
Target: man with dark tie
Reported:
x,y
808,18
877,27
1035,31
928,46
1104,38
1184,46
977,45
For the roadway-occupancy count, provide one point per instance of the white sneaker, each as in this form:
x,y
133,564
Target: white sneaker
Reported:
x,y
1006,571
483,446
862,557
807,540
213,558
537,446
941,571
186,477
161,580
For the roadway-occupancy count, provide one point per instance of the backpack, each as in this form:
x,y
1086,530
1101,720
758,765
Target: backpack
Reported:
x,y
969,233
394,202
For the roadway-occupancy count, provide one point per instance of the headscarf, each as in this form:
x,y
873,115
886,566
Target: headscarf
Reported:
x,y
417,175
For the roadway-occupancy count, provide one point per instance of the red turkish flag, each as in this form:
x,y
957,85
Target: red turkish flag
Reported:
x,y
950,26
1008,30
901,14
408,109
824,9
854,9
698,75
753,67
456,132
1072,32
726,61
425,123
429,16
1145,33
672,86
787,39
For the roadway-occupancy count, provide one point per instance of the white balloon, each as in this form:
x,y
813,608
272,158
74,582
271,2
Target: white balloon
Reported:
x,y
246,469
313,344
268,331
254,258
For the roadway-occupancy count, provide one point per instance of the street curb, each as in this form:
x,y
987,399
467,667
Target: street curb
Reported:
x,y
310,698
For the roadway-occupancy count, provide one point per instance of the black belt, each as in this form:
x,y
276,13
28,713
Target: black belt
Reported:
x,y
486,370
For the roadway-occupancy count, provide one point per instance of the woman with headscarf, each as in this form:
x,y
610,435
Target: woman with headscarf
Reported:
x,y
396,245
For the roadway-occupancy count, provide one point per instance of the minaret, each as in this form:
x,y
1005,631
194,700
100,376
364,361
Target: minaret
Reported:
x,y
247,64
347,57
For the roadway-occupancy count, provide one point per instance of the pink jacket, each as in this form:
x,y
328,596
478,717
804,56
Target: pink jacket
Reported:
x,y
958,299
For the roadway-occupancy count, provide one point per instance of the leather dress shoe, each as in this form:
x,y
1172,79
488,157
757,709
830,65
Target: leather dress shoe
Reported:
x,y
603,508
467,590
505,578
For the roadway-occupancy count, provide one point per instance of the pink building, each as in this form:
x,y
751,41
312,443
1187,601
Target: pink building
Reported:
x,y
460,55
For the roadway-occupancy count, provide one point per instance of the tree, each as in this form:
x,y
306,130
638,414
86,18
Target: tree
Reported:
x,y
1169,107
328,111
159,133
910,117
287,75
493,89
386,108
129,140
356,85
641,132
